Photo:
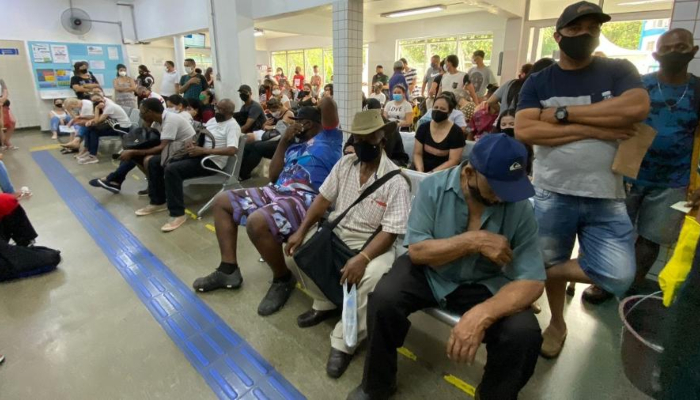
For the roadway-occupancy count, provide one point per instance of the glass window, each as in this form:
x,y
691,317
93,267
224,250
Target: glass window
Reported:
x,y
279,60
294,59
471,43
327,65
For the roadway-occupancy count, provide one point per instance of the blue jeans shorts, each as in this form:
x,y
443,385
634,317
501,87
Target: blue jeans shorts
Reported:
x,y
606,237
650,210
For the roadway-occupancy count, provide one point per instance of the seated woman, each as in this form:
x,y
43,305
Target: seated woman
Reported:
x,y
80,111
306,97
439,144
96,128
178,105
58,117
277,94
399,110
378,94
207,110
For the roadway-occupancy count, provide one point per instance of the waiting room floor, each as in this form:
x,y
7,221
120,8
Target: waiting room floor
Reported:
x,y
82,333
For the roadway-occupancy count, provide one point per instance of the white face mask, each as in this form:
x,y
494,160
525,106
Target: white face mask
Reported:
x,y
445,68
171,109
276,92
276,114
122,73
189,70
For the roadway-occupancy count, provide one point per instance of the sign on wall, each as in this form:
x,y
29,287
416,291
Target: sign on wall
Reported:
x,y
52,65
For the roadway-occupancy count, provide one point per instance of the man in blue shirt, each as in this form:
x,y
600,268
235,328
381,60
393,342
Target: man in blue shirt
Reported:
x,y
574,113
473,250
397,78
664,175
305,156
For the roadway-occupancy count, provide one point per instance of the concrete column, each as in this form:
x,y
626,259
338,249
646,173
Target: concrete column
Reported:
x,y
686,15
232,47
179,45
347,59
511,50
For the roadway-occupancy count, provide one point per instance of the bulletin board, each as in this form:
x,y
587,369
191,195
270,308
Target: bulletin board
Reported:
x,y
52,65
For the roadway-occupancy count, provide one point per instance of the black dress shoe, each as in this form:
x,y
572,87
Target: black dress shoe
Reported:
x,y
338,362
360,394
596,295
315,317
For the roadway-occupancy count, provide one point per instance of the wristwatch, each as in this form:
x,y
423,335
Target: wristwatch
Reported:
x,y
562,115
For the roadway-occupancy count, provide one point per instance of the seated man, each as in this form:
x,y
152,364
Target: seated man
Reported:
x,y
473,250
105,109
165,180
387,208
394,146
305,155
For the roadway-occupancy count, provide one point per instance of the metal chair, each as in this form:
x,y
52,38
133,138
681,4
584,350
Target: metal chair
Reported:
x,y
226,177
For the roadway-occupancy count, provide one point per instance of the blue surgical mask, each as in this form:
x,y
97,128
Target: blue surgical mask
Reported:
x,y
398,97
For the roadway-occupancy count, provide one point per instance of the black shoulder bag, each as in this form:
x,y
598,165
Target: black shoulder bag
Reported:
x,y
323,266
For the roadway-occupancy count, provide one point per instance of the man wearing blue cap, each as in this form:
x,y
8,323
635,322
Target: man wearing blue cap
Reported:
x,y
473,250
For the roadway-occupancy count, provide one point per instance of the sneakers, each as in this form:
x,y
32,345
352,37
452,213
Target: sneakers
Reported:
x,y
218,280
277,296
89,159
151,209
2,358
174,223
552,343
109,186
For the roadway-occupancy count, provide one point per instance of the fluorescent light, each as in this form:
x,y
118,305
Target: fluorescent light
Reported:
x,y
414,11
258,32
642,2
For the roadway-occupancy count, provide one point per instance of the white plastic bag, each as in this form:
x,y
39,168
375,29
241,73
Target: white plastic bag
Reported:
x,y
350,315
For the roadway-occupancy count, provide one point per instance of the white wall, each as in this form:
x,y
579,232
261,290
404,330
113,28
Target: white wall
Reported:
x,y
159,18
299,42
383,50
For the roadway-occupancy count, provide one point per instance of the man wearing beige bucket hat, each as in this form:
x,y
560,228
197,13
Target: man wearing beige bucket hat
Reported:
x,y
386,208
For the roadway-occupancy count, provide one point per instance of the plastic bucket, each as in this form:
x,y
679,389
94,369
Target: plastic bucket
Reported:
x,y
643,319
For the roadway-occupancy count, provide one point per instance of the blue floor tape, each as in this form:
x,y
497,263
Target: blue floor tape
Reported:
x,y
232,368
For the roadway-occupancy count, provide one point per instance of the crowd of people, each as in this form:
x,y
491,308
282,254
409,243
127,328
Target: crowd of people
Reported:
x,y
486,235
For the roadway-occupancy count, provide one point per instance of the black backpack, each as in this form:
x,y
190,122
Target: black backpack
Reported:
x,y
20,262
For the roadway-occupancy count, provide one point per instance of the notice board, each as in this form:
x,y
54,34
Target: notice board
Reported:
x,y
52,65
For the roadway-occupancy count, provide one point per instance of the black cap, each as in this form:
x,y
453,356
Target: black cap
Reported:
x,y
310,113
578,10
245,89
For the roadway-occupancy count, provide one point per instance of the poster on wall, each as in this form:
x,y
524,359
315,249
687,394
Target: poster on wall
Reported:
x,y
63,78
95,50
46,78
41,53
59,52
96,64
113,53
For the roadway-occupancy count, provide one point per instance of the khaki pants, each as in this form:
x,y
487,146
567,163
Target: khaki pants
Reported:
x,y
374,272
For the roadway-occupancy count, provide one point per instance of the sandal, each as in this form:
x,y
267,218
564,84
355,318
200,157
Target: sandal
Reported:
x,y
551,344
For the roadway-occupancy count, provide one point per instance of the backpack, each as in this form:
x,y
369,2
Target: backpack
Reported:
x,y
20,262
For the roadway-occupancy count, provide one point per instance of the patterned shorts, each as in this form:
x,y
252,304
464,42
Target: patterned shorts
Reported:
x,y
283,208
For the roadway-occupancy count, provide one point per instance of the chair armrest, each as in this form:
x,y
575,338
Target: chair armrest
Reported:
x,y
212,169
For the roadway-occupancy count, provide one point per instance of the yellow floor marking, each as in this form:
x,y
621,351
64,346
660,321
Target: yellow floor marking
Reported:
x,y
136,177
407,353
47,147
210,227
302,289
191,214
460,384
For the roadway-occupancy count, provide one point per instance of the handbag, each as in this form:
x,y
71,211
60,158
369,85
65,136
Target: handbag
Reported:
x,y
141,138
177,150
324,254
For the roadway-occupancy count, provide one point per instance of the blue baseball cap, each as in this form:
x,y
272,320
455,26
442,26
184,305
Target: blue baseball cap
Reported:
x,y
503,161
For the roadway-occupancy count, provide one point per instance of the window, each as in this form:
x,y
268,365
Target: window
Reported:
x,y
419,51
650,46
306,59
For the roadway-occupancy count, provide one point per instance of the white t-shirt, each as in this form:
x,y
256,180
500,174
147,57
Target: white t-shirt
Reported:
x,y
186,115
452,82
116,112
167,86
379,96
88,109
226,134
396,111
155,95
174,127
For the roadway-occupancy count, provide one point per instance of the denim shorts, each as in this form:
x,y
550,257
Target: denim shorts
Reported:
x,y
606,237
650,210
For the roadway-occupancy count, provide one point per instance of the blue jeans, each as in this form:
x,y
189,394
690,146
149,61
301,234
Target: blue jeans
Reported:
x,y
605,233
122,171
55,122
92,138
5,183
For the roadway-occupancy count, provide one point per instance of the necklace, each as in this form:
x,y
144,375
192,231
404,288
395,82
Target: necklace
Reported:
x,y
670,104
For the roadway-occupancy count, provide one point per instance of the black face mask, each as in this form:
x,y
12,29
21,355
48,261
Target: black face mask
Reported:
x,y
220,117
244,96
674,62
83,70
476,194
509,131
367,152
579,47
439,115
59,105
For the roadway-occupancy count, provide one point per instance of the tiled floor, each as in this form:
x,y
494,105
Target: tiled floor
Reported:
x,y
81,332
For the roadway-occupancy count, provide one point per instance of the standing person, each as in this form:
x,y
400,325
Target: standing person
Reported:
x,y
316,79
664,175
506,97
83,82
124,88
399,110
298,79
433,72
381,78
145,78
279,76
58,117
574,113
171,80
398,79
411,76
481,75
192,83
453,79
472,249
209,77
7,119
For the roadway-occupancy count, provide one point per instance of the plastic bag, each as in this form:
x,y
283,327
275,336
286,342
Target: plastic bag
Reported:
x,y
674,273
350,315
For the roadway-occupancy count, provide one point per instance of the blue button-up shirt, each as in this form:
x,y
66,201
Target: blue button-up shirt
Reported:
x,y
440,211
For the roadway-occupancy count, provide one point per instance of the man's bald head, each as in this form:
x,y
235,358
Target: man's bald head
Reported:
x,y
226,106
678,39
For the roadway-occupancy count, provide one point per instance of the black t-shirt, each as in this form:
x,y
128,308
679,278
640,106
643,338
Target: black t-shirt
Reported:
x,y
146,81
254,111
77,80
434,153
